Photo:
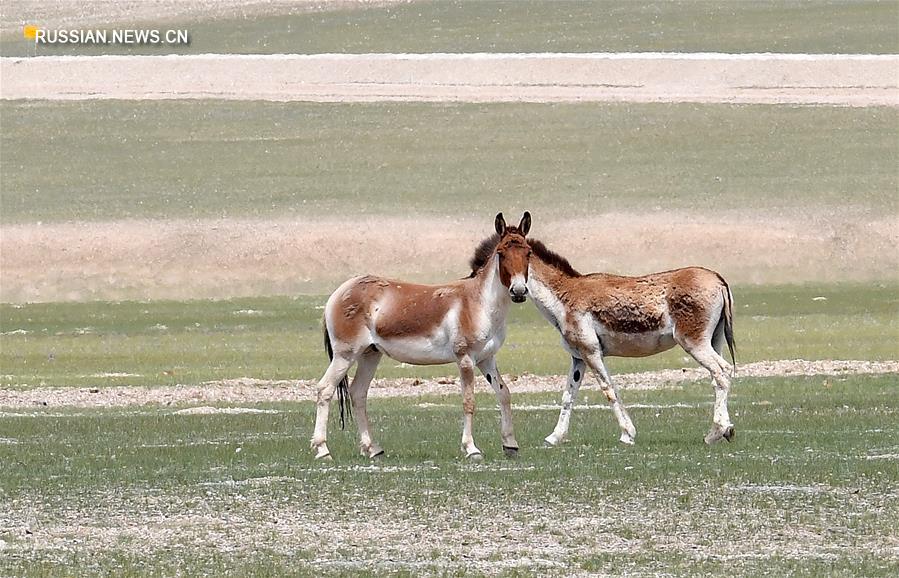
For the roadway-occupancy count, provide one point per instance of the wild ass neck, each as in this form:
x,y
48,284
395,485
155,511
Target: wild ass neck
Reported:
x,y
544,281
494,296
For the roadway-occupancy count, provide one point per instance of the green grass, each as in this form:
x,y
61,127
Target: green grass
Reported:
x,y
75,344
535,26
807,487
111,160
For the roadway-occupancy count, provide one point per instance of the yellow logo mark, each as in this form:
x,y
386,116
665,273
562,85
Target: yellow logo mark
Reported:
x,y
30,31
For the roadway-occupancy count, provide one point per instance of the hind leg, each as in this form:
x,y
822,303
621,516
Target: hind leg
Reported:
x,y
326,386
365,371
706,355
569,398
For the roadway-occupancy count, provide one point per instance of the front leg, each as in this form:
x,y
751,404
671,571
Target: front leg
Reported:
x,y
569,398
610,390
466,372
504,398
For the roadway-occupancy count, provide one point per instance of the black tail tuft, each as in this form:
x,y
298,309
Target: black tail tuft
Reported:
x,y
343,390
728,314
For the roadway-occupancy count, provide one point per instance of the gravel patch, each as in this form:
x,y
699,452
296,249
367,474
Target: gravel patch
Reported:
x,y
251,390
206,410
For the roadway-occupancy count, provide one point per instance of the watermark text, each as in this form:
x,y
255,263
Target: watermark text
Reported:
x,y
117,36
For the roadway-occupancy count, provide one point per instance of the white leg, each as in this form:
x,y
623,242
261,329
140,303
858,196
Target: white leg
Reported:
x,y
718,367
365,371
504,398
610,390
466,372
326,387
576,376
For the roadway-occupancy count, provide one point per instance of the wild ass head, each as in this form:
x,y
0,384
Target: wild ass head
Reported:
x,y
513,254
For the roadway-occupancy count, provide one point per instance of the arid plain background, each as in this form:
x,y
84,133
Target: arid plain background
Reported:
x,y
167,433
844,240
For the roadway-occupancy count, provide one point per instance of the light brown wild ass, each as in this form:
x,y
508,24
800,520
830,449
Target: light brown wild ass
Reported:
x,y
601,315
462,322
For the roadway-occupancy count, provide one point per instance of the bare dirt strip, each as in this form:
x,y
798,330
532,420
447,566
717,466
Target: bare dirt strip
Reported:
x,y
250,390
181,259
832,79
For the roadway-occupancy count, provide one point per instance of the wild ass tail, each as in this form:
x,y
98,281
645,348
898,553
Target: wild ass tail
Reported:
x,y
727,316
343,390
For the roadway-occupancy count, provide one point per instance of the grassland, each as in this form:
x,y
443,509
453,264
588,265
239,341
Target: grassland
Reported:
x,y
808,487
828,26
113,160
159,343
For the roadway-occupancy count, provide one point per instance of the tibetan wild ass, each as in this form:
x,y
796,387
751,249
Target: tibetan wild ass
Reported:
x,y
600,315
462,322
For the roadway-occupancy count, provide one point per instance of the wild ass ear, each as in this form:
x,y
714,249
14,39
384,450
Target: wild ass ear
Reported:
x,y
525,225
500,224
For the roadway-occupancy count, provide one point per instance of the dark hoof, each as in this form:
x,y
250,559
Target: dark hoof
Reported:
x,y
716,434
378,456
510,451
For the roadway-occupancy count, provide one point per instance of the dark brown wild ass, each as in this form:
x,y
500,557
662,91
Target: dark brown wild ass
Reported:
x,y
601,315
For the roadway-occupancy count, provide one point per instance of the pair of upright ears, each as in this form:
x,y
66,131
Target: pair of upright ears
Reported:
x,y
523,227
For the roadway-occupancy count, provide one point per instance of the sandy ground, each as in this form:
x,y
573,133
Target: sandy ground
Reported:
x,y
856,80
172,259
250,390
225,258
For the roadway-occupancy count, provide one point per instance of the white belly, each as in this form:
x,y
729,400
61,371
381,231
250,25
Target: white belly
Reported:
x,y
440,346
635,344
418,350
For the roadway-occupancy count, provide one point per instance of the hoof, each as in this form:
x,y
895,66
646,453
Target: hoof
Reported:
x,y
627,439
717,433
729,433
377,456
475,457
510,451
371,452
551,441
322,453
324,458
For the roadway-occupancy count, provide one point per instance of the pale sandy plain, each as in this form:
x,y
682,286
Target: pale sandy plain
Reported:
x,y
851,80
156,259
179,259
224,258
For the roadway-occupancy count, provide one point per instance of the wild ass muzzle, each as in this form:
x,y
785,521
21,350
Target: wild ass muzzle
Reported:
x,y
462,322
601,315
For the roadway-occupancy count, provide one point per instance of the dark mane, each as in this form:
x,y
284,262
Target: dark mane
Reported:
x,y
482,253
486,248
552,258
